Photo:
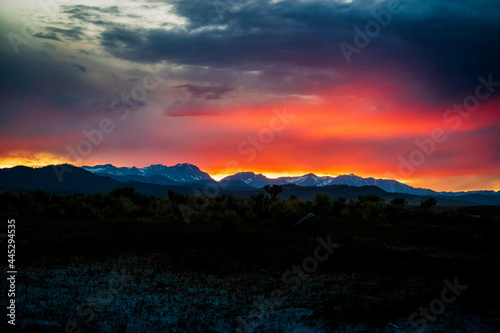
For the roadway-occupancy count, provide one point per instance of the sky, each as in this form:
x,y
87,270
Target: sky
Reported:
x,y
407,90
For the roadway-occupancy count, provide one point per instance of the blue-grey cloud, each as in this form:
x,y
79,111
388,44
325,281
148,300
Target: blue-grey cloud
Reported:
x,y
51,35
446,44
436,49
209,93
79,67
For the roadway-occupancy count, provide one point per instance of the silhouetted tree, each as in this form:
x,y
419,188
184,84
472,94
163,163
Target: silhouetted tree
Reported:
x,y
177,197
338,205
273,190
369,198
399,201
258,199
322,203
429,203
128,192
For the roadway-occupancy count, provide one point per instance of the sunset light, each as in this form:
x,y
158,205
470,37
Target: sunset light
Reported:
x,y
282,96
246,166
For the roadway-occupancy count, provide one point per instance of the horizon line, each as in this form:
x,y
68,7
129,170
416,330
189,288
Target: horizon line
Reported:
x,y
269,175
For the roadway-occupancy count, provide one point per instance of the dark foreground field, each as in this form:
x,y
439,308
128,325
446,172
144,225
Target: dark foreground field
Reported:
x,y
124,262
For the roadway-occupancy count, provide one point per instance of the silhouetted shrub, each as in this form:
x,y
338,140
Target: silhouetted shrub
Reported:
x,y
369,198
429,203
273,190
399,201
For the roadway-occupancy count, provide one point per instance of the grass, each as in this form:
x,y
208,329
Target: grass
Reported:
x,y
205,275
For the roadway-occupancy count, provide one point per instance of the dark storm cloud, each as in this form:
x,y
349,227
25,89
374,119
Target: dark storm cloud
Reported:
x,y
74,34
253,36
209,93
54,33
49,46
290,46
89,13
79,67
446,43
32,83
52,36
457,39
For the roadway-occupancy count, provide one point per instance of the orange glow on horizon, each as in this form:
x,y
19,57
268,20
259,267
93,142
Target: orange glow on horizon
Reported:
x,y
442,181
353,129
30,160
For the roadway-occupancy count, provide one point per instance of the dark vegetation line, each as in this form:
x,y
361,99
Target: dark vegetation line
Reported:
x,y
400,247
125,219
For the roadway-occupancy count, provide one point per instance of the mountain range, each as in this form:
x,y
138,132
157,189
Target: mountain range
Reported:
x,y
189,173
189,179
155,173
389,185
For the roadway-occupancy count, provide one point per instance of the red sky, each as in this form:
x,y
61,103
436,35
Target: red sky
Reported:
x,y
260,88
